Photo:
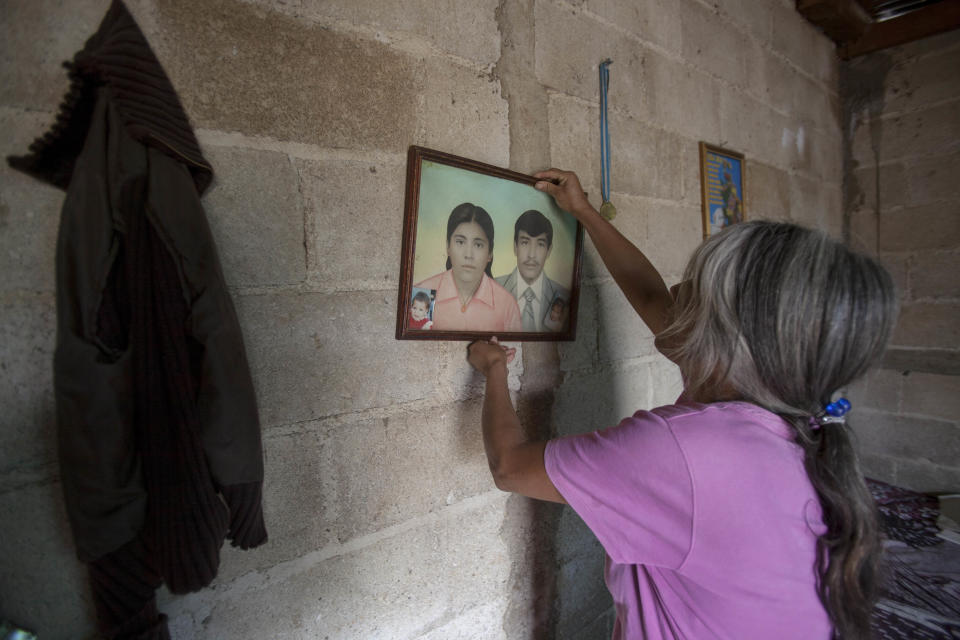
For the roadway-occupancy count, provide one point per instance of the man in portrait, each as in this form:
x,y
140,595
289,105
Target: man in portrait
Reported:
x,y
534,291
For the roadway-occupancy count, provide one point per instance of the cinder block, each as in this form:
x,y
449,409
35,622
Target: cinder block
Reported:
x,y
575,142
599,399
915,82
865,140
44,586
878,467
36,37
879,390
932,395
299,496
622,335
332,483
439,569
29,209
800,42
647,160
833,203
256,216
27,341
444,25
814,104
924,476
582,598
463,112
657,21
673,233
666,382
809,204
897,265
826,155
909,437
685,99
239,68
354,215
932,131
485,621
754,17
414,462
863,232
935,274
569,48
889,188
690,173
932,226
314,355
711,44
574,538
754,129
774,79
928,325
582,352
633,213
768,191
934,179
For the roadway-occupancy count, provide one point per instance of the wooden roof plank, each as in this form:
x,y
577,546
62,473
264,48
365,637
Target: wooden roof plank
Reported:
x,y
931,20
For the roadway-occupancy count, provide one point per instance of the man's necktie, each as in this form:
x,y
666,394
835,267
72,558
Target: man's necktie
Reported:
x,y
529,322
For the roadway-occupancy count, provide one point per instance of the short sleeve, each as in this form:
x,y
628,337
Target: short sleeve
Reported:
x,y
631,485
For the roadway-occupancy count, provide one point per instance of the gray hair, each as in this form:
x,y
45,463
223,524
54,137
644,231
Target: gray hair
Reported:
x,y
783,314
783,317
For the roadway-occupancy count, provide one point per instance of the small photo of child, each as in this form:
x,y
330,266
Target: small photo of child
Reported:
x,y
421,309
557,315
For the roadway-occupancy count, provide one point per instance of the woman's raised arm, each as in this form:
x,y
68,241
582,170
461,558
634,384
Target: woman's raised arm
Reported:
x,y
633,273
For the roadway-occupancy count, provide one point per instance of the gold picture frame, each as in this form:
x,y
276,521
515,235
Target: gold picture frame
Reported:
x,y
722,188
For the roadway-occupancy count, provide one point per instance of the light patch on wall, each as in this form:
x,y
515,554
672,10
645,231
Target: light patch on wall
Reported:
x,y
789,138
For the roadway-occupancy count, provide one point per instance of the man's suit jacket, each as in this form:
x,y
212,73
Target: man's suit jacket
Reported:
x,y
550,291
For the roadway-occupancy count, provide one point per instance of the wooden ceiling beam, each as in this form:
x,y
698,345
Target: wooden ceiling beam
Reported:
x,y
928,21
841,20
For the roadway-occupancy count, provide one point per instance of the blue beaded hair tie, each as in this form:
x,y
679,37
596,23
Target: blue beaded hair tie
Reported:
x,y
833,413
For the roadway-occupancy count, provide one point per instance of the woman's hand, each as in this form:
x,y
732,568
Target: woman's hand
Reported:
x,y
565,188
486,354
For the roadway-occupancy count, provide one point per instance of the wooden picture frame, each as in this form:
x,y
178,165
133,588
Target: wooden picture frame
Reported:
x,y
465,223
722,187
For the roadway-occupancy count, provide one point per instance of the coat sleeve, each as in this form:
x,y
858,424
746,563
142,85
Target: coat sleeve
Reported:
x,y
226,400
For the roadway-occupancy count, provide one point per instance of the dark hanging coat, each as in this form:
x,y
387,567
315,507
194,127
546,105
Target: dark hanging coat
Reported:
x,y
159,438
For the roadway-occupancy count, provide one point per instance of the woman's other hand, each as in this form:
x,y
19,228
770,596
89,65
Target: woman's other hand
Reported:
x,y
486,354
565,188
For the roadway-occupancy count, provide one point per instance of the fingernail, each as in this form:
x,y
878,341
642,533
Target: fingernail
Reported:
x,y
539,185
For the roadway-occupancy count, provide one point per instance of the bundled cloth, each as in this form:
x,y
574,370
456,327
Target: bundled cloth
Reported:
x,y
159,437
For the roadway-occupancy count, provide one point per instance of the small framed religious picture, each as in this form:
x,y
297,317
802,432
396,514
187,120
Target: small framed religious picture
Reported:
x,y
722,188
484,254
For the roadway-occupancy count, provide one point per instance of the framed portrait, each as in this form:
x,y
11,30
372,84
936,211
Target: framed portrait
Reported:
x,y
722,188
484,254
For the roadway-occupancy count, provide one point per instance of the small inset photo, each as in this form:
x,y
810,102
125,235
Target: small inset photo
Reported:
x,y
420,317
557,314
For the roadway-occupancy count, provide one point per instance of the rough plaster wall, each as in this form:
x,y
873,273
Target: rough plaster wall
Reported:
x,y
383,520
902,115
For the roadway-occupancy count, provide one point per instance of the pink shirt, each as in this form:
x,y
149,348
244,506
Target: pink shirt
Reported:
x,y
708,519
492,308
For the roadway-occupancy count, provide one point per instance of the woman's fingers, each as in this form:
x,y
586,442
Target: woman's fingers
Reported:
x,y
482,354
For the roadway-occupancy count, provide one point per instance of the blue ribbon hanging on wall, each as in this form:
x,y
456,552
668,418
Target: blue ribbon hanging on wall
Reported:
x,y
607,210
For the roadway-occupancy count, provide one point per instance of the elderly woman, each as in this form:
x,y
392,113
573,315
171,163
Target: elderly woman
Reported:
x,y
468,298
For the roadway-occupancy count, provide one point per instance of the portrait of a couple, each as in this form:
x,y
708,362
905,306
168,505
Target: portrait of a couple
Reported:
x,y
492,256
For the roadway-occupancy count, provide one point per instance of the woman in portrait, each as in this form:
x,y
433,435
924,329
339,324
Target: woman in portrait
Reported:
x,y
468,298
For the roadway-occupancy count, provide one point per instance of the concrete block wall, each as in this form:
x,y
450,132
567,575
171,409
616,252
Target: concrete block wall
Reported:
x,y
902,109
384,522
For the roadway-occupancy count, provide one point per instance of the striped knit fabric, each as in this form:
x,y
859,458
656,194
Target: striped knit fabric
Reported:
x,y
143,309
